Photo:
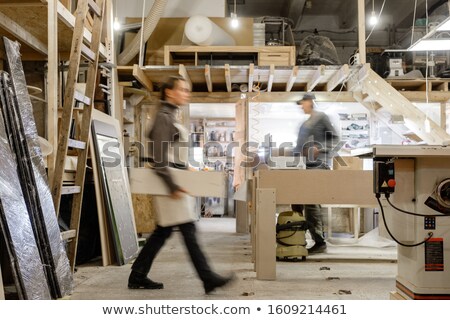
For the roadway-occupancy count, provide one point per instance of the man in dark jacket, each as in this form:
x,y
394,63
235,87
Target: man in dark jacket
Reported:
x,y
315,137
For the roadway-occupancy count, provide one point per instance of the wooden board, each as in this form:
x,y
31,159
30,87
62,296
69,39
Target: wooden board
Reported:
x,y
320,186
197,183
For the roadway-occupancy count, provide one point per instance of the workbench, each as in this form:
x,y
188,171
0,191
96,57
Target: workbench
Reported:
x,y
274,187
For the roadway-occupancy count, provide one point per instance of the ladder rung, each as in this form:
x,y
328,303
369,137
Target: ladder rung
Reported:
x,y
95,7
87,53
69,234
77,144
70,190
81,98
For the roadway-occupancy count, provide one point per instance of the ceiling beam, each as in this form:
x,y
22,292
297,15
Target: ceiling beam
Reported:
x,y
228,77
339,77
292,79
183,72
23,35
316,78
251,73
209,84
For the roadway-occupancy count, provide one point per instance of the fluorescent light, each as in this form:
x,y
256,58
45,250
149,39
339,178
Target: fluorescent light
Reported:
x,y
234,20
444,26
373,20
431,45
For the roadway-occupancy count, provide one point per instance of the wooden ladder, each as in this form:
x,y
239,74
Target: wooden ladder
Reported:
x,y
92,11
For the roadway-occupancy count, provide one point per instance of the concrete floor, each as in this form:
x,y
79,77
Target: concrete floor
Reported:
x,y
228,251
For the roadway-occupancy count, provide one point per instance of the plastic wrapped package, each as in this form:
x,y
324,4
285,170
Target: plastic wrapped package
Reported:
x,y
15,225
37,179
317,50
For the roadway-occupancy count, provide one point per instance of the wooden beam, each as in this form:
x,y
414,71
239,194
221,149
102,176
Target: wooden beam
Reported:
x,y
271,77
316,78
52,85
251,73
208,78
142,78
340,76
292,79
228,77
362,31
232,97
183,72
23,35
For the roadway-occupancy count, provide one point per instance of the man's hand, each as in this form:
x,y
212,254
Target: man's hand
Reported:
x,y
178,194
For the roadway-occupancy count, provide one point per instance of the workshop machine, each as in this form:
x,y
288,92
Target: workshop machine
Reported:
x,y
291,236
412,185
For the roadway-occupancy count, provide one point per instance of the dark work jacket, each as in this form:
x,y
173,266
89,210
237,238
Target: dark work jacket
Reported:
x,y
162,134
318,130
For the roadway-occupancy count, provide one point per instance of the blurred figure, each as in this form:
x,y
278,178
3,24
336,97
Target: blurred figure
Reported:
x,y
315,137
168,132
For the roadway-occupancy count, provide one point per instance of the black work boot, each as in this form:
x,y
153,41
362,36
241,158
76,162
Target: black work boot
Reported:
x,y
217,282
140,281
318,248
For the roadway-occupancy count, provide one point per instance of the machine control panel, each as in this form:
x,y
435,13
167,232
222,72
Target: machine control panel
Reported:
x,y
384,176
429,223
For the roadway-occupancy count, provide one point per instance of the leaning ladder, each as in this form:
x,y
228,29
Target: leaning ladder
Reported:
x,y
87,10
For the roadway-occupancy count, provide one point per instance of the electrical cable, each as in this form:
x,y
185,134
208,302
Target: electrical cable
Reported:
x,y
379,15
430,234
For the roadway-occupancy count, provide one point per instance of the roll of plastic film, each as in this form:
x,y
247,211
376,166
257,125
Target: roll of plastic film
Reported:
x,y
203,32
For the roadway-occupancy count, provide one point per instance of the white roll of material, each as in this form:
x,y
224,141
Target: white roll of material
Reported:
x,y
203,32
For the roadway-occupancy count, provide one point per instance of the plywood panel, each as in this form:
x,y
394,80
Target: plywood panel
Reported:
x,y
320,186
197,183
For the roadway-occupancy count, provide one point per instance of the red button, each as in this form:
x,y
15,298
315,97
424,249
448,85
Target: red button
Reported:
x,y
391,183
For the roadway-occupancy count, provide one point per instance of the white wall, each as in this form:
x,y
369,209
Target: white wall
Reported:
x,y
174,8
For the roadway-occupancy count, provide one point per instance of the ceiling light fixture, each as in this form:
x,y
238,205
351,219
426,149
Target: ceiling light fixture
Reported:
x,y
373,20
234,19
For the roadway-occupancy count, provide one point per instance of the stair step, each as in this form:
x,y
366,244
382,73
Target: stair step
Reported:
x,y
71,190
88,53
77,144
78,96
69,234
94,7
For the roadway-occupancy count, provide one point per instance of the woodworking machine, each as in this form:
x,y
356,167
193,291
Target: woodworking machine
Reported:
x,y
412,186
